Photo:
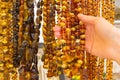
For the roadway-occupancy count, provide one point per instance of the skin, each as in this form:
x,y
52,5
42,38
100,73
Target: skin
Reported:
x,y
102,38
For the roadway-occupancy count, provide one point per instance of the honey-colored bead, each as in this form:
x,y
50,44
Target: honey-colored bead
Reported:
x,y
62,41
82,31
76,1
72,37
82,36
78,9
9,65
58,1
46,66
49,74
3,23
67,72
64,65
77,41
73,51
68,30
64,2
71,15
80,23
64,8
66,48
80,62
82,42
62,24
73,29
63,19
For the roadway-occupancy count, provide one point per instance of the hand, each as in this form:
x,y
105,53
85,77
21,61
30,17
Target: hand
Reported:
x,y
102,38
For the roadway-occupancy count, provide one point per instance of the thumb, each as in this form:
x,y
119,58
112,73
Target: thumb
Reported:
x,y
87,19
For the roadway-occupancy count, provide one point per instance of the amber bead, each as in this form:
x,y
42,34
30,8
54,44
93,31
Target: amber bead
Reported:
x,y
82,36
50,73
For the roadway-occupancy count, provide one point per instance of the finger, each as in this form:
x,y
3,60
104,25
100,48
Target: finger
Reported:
x,y
57,35
57,28
87,19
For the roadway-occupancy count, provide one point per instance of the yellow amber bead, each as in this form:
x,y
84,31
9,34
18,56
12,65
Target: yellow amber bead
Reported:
x,y
68,30
82,36
63,19
82,42
44,13
44,30
64,65
68,73
8,65
82,30
62,24
64,8
80,62
80,22
76,1
71,14
3,23
78,40
64,2
1,64
46,66
3,14
57,1
62,41
72,37
73,29
78,9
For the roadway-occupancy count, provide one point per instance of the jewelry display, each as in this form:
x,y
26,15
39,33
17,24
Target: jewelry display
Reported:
x,y
63,55
75,62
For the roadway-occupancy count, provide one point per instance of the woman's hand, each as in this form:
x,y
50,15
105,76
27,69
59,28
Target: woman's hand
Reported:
x,y
102,38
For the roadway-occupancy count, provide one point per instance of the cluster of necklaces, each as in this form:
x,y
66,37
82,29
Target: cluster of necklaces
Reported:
x,y
67,54
19,38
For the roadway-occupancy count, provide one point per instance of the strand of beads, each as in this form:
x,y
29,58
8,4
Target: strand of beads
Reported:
x,y
55,55
77,47
15,13
7,70
45,56
20,23
33,36
16,5
49,22
23,40
58,42
52,71
65,37
35,32
44,28
4,41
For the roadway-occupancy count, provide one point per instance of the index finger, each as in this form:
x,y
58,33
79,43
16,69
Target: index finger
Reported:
x,y
87,19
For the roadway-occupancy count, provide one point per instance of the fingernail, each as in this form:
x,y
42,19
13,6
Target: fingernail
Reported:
x,y
80,15
57,28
